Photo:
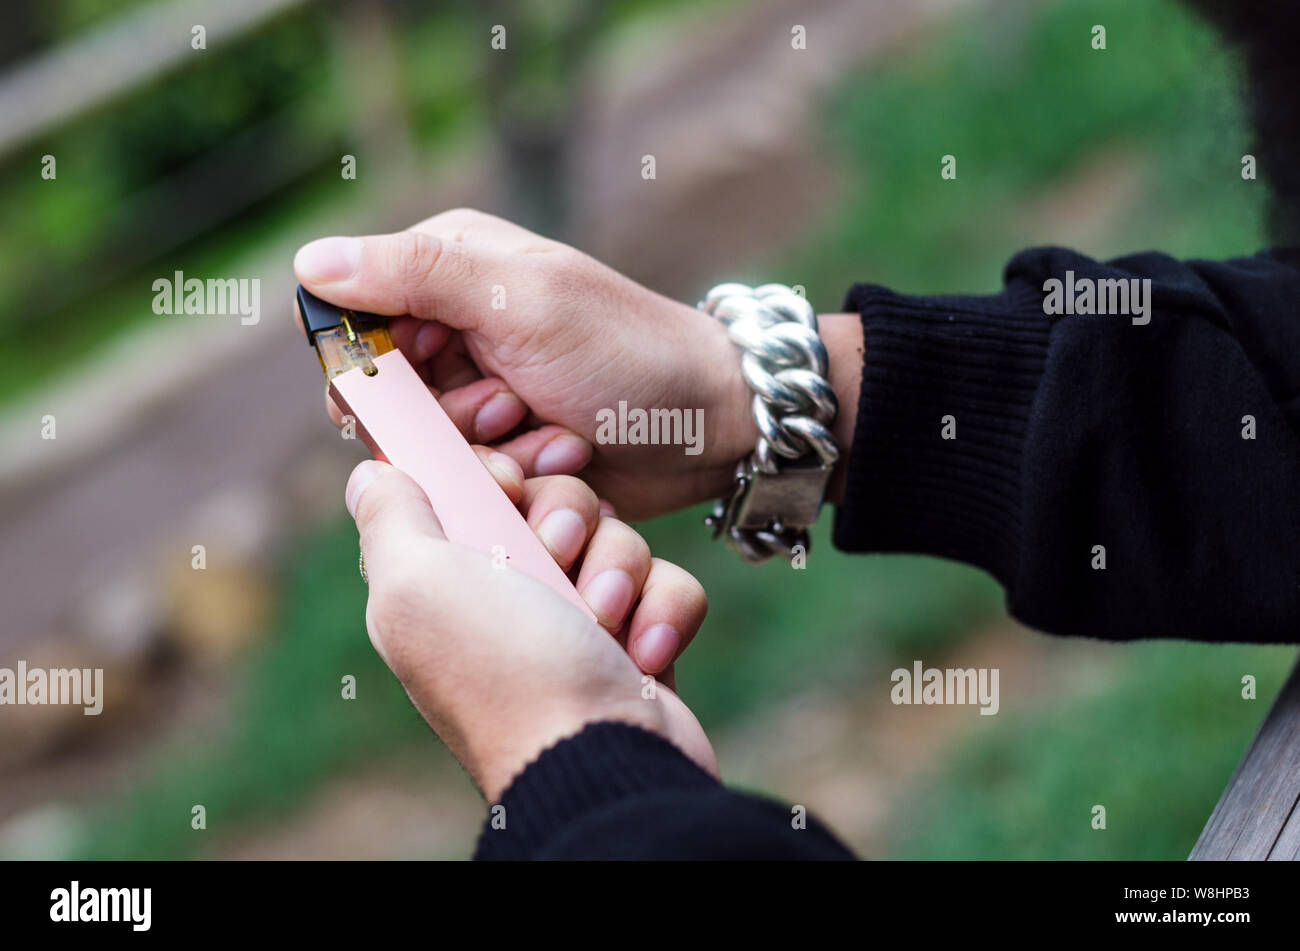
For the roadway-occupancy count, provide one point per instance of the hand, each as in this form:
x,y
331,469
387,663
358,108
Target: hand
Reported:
x,y
510,327
499,665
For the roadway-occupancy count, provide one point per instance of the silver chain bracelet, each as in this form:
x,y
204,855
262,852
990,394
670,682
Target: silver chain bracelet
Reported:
x,y
780,485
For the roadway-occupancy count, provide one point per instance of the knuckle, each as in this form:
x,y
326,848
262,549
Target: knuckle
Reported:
x,y
462,215
370,507
398,593
393,604
564,492
696,595
576,492
636,548
687,589
375,627
466,228
566,275
412,255
396,611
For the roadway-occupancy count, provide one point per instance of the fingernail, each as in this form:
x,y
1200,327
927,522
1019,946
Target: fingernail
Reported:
x,y
563,532
563,455
655,649
505,468
361,477
610,595
497,417
327,260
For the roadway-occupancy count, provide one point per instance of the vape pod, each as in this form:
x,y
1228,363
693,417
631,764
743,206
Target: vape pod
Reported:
x,y
402,424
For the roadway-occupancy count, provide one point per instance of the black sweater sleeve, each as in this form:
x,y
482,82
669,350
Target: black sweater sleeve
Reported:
x,y
1173,444
619,792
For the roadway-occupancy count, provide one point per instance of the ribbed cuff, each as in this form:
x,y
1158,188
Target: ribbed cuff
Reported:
x,y
601,765
976,359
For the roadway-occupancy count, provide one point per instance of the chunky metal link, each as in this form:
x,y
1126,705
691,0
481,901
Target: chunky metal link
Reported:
x,y
785,364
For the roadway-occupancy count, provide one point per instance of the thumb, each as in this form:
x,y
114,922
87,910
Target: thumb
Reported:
x,y
409,272
392,514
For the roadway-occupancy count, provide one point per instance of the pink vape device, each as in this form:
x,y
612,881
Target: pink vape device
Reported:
x,y
402,424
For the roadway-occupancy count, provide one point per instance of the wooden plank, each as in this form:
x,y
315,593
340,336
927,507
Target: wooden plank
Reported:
x,y
1257,817
1287,848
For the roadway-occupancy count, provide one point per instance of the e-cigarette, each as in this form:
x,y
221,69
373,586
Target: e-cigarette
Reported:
x,y
402,424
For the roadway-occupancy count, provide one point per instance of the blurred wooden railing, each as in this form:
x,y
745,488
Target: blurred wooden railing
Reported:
x,y
1257,817
72,78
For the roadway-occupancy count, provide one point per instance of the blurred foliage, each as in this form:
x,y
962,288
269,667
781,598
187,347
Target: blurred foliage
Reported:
x,y
1014,92
773,631
1155,749
237,148
189,150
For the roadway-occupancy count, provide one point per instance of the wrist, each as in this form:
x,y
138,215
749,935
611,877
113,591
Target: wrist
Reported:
x,y
733,431
842,335
508,754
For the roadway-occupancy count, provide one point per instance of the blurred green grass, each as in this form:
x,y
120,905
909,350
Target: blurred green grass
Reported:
x,y
1155,749
1018,96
